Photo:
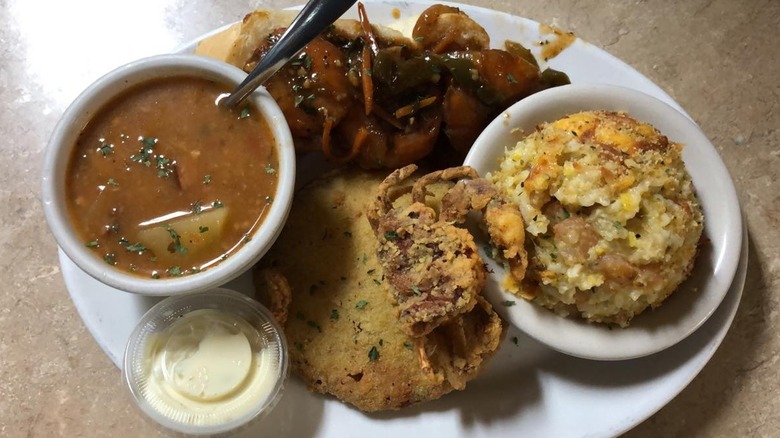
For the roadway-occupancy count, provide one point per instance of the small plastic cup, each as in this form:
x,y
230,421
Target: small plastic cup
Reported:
x,y
207,363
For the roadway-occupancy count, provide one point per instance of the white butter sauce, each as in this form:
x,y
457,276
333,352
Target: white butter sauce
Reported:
x,y
207,368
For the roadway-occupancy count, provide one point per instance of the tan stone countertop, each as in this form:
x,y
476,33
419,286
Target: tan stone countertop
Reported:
x,y
718,59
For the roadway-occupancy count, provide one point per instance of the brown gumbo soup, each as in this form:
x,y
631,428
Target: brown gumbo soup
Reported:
x,y
164,182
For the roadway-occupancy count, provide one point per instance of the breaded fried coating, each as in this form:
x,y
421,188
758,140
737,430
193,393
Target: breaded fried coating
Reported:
x,y
343,328
433,266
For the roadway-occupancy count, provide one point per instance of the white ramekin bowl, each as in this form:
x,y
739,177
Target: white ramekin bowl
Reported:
x,y
697,298
101,92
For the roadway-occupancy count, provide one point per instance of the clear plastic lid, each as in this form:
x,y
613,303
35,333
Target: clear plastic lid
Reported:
x,y
206,363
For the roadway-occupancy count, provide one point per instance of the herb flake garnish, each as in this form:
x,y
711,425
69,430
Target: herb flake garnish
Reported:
x,y
314,325
91,244
361,304
174,271
136,247
270,169
217,204
373,354
508,303
110,259
511,78
416,290
244,113
334,314
202,229
207,179
175,246
106,149
391,235
197,207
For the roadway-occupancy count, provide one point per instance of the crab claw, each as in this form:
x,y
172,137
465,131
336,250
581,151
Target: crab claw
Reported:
x,y
505,224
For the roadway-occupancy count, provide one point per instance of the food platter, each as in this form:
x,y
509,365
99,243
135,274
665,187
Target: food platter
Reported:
x,y
528,388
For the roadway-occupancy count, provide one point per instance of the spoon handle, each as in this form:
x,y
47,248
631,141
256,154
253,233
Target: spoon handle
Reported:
x,y
313,19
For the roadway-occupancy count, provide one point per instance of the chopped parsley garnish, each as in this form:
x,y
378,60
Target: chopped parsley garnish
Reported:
x,y
91,244
514,340
370,271
334,314
106,149
373,354
419,39
391,235
110,259
303,60
174,271
112,182
137,247
407,345
270,169
148,141
511,78
202,229
566,213
416,290
164,166
381,343
298,100
207,179
146,152
617,225
361,304
508,303
377,282
244,113
175,246
197,207
217,204
313,324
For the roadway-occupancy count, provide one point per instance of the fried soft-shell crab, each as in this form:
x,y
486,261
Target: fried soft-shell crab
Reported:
x,y
433,267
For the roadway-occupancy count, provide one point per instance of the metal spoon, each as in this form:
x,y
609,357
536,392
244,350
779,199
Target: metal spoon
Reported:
x,y
313,19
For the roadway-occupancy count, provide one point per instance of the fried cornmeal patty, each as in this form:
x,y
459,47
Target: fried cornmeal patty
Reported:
x,y
343,328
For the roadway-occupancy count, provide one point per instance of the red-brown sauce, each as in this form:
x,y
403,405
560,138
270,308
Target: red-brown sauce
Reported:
x,y
163,182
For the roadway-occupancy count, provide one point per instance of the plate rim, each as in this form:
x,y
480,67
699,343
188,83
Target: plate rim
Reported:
x,y
692,365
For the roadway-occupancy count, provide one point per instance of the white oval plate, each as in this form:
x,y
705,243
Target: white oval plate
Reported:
x,y
696,299
528,389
